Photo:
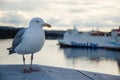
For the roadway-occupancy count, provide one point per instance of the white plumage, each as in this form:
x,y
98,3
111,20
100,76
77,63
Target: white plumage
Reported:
x,y
33,40
29,40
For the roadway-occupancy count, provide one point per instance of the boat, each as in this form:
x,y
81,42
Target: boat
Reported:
x,y
91,39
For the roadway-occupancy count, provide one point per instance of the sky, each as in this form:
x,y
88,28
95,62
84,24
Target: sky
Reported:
x,y
62,14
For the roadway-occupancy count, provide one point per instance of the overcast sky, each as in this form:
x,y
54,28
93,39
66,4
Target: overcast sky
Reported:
x,y
62,13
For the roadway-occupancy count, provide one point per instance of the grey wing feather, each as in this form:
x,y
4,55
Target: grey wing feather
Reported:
x,y
17,39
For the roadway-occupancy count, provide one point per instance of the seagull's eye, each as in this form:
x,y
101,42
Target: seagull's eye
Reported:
x,y
37,21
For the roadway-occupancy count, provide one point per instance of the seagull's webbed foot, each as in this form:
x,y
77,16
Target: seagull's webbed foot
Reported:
x,y
26,71
34,70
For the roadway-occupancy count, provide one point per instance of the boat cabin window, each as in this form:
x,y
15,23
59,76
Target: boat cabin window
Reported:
x,y
118,34
97,34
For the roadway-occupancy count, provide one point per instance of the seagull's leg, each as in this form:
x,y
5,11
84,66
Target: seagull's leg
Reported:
x,y
31,61
31,69
25,70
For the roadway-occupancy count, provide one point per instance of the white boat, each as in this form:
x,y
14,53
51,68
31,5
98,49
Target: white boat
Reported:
x,y
91,39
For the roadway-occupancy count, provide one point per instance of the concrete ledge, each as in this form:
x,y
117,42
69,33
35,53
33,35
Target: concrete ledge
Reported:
x,y
14,72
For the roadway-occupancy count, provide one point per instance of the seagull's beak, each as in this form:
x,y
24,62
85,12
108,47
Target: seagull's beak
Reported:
x,y
46,24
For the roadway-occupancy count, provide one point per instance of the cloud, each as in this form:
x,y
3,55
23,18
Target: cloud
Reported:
x,y
13,17
57,22
78,10
63,13
23,5
116,19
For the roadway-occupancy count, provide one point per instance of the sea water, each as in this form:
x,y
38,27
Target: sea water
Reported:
x,y
94,60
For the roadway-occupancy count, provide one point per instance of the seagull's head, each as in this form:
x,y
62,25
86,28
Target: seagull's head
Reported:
x,y
38,22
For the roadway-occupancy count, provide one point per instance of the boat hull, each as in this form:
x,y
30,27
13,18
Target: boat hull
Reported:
x,y
92,39
88,45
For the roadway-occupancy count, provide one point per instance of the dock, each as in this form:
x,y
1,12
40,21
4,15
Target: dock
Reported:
x,y
14,72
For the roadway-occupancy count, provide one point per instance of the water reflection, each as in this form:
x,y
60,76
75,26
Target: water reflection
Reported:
x,y
95,60
93,55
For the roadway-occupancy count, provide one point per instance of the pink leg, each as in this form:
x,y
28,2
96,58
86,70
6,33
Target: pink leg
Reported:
x,y
25,70
31,69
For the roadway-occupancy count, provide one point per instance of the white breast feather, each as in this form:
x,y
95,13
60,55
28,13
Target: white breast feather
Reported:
x,y
32,42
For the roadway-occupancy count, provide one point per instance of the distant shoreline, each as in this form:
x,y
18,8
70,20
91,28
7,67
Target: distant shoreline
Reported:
x,y
8,32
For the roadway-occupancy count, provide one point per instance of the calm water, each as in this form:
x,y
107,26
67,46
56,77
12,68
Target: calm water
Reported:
x,y
99,60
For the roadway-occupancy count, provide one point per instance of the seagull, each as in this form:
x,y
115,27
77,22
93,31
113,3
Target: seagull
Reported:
x,y
29,41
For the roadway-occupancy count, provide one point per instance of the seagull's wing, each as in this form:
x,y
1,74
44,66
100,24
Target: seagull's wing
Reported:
x,y
17,39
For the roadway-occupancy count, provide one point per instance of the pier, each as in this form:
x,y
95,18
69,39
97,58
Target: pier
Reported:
x,y
14,72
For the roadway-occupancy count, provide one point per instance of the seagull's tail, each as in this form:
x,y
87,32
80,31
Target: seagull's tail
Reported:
x,y
11,50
